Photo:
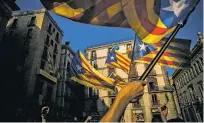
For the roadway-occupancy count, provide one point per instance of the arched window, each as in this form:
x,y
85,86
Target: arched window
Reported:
x,y
201,60
194,70
197,67
189,74
200,65
184,79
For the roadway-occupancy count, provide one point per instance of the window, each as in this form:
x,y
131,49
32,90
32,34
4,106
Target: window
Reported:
x,y
32,21
129,46
50,28
68,65
93,55
55,49
90,92
54,59
52,42
154,99
201,60
57,37
153,86
94,92
44,56
199,66
94,64
189,75
47,42
191,90
195,69
53,31
109,49
111,70
192,73
28,35
200,86
14,24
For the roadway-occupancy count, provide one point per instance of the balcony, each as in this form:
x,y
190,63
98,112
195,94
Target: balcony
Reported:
x,y
160,89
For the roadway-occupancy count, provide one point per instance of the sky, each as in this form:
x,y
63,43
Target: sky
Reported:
x,y
83,35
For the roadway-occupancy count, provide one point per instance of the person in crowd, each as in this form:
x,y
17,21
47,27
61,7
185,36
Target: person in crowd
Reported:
x,y
127,94
88,119
44,113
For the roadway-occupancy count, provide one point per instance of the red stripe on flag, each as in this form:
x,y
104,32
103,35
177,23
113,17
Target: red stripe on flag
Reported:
x,y
159,31
161,61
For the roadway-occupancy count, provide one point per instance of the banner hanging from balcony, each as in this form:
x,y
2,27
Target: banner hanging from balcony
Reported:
x,y
83,73
150,19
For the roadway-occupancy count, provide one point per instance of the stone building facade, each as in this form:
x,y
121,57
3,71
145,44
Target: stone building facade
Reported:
x,y
189,85
6,8
155,93
33,44
69,94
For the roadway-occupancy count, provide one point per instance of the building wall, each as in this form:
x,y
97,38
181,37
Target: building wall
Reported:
x,y
37,65
146,104
6,8
189,85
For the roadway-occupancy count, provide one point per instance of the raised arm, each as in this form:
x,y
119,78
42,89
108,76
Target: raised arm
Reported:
x,y
126,94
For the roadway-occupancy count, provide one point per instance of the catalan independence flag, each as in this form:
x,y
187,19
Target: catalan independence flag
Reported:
x,y
175,56
83,73
150,19
118,60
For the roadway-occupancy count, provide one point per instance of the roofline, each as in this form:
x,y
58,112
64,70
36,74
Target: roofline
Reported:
x,y
64,46
43,10
108,44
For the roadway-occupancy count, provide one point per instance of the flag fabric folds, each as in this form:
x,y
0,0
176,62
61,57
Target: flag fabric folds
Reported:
x,y
83,73
175,56
150,19
141,48
118,60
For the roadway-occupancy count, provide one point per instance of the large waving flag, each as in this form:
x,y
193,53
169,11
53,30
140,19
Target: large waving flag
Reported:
x,y
175,56
141,48
83,73
150,19
118,60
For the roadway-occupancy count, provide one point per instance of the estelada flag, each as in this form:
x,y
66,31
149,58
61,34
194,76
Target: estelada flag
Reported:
x,y
175,56
83,73
150,19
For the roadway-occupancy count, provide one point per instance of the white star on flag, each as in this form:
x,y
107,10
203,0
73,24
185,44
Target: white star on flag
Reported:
x,y
112,58
143,47
176,7
78,68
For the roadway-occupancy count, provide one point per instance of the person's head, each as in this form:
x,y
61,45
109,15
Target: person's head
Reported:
x,y
175,120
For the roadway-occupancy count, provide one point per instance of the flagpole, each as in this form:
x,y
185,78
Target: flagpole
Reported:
x,y
159,54
132,64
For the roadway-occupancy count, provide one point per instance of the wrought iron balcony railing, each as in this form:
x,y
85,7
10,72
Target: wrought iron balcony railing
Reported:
x,y
159,89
